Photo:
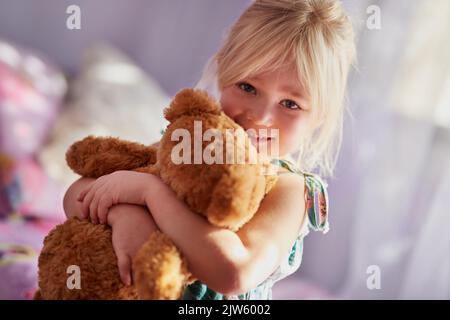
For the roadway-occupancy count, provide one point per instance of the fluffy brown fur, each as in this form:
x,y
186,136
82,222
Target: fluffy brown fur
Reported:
x,y
228,195
88,246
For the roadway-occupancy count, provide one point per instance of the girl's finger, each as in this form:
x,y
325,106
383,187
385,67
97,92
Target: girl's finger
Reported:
x,y
80,206
86,203
124,264
100,194
103,208
93,207
97,183
84,192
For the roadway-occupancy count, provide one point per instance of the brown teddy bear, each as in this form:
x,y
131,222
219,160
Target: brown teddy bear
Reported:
x,y
227,194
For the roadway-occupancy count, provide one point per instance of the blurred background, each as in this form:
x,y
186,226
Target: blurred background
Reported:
x,y
390,197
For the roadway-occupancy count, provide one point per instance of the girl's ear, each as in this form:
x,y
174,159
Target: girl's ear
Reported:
x,y
191,102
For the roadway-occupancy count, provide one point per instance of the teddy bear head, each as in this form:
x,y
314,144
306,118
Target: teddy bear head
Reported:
x,y
209,161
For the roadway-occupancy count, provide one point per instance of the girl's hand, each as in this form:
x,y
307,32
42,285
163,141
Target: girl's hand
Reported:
x,y
118,187
129,232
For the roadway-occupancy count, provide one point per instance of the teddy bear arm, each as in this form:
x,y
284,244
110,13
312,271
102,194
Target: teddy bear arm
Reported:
x,y
96,156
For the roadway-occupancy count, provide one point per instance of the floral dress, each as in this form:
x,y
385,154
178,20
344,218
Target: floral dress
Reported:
x,y
316,199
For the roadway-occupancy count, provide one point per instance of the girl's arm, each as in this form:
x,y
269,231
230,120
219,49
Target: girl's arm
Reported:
x,y
228,262
131,225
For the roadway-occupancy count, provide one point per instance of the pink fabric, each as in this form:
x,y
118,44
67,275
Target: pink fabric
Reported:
x,y
41,196
31,90
26,114
20,244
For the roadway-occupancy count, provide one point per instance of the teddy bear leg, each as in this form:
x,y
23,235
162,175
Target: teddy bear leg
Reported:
x,y
160,271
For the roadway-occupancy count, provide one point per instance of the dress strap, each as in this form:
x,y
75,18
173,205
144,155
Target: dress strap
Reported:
x,y
316,196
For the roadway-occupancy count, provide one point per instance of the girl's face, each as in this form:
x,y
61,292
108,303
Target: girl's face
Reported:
x,y
269,100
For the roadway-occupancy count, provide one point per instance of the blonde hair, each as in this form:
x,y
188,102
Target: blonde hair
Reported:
x,y
318,37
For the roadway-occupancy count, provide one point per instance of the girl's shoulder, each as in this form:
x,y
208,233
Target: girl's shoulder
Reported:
x,y
315,194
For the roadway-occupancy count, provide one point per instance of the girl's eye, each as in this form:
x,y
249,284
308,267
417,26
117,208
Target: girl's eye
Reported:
x,y
291,105
247,87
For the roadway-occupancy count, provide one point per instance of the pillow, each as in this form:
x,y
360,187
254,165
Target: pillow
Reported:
x,y
110,96
25,189
20,243
31,90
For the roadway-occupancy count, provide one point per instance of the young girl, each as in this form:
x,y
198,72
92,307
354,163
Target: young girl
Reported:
x,y
283,65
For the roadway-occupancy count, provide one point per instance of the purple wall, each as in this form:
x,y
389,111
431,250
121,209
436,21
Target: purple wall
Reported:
x,y
170,39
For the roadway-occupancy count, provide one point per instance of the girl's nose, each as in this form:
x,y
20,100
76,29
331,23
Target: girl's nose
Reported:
x,y
260,115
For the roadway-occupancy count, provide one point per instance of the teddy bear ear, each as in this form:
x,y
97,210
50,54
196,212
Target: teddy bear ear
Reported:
x,y
191,102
